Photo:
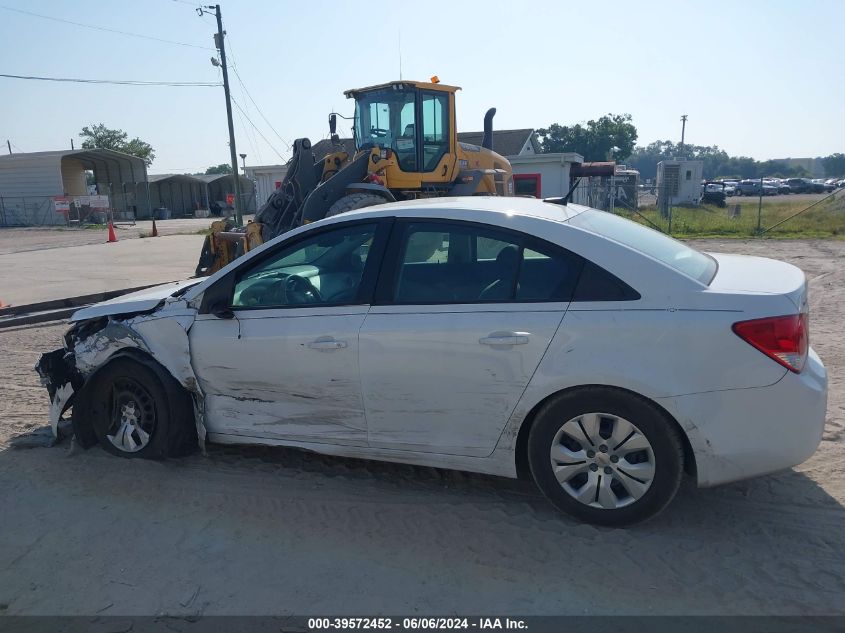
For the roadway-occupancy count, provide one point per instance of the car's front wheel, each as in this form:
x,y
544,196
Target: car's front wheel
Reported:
x,y
605,456
136,409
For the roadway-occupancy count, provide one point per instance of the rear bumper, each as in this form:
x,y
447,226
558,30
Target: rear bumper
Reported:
x,y
742,433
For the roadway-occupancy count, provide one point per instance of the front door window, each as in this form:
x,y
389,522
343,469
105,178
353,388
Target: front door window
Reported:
x,y
325,269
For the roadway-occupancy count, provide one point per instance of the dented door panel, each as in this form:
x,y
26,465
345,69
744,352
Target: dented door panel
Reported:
x,y
282,373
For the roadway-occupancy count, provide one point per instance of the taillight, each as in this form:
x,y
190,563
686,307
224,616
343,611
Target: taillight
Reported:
x,y
784,339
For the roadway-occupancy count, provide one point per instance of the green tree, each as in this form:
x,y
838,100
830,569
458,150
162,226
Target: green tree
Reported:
x,y
222,168
610,137
834,165
717,162
100,137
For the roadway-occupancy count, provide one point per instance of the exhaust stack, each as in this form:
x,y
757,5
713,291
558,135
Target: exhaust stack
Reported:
x,y
487,139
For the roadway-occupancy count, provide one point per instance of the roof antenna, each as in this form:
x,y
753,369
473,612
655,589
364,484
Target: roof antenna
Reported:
x,y
400,55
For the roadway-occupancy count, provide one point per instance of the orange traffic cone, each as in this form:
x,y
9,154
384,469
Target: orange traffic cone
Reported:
x,y
155,230
112,236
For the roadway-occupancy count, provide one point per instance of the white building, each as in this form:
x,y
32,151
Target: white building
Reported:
x,y
267,179
543,175
679,182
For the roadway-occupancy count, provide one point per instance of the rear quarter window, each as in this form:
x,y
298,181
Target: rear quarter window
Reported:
x,y
663,248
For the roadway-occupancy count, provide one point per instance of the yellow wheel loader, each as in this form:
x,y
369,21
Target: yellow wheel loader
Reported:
x,y
406,147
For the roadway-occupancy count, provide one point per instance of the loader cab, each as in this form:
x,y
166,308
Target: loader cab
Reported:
x,y
413,120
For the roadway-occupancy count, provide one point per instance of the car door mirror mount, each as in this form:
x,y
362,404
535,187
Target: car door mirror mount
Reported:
x,y
222,311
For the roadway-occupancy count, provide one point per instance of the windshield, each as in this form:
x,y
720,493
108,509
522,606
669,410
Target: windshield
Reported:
x,y
661,247
385,118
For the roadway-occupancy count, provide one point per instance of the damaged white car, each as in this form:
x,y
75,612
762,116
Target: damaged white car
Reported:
x,y
504,335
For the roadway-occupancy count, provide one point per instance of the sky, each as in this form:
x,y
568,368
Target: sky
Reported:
x,y
757,78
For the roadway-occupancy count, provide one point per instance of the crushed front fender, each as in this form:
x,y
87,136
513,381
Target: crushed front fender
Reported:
x,y
161,334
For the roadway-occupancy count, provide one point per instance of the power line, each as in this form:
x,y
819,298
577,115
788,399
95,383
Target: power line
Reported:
x,y
240,81
259,109
108,30
256,129
119,82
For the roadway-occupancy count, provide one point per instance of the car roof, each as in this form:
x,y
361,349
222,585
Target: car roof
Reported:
x,y
480,205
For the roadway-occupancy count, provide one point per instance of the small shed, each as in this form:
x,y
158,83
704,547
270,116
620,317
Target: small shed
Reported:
x,y
181,194
679,182
543,175
32,183
266,179
220,186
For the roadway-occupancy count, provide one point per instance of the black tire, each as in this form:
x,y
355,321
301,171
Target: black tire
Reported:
x,y
660,432
164,409
354,201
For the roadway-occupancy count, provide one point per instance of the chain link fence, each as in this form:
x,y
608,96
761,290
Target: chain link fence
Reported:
x,y
53,211
694,211
688,215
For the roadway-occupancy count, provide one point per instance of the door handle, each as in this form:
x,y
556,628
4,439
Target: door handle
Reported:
x,y
505,338
326,344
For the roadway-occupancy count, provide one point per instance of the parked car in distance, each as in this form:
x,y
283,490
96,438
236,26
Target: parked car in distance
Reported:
x,y
798,185
773,185
507,336
730,187
713,193
782,186
817,185
751,187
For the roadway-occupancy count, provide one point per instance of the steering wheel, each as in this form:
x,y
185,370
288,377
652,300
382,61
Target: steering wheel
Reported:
x,y
300,290
379,132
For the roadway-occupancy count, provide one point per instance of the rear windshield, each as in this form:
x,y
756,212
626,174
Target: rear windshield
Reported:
x,y
661,247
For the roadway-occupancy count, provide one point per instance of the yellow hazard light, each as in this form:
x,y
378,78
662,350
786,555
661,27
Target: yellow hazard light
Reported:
x,y
435,79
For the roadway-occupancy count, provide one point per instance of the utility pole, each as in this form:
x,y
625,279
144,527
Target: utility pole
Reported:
x,y
71,144
9,145
683,132
221,46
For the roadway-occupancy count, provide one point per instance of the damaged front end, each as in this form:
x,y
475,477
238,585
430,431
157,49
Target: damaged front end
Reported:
x,y
62,379
158,335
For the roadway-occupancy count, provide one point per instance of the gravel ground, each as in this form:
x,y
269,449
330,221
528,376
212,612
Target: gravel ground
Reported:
x,y
279,531
20,240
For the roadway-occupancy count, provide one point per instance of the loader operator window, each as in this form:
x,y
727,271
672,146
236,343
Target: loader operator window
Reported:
x,y
387,118
435,122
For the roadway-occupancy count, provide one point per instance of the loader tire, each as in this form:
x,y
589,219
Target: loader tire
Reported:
x,y
354,201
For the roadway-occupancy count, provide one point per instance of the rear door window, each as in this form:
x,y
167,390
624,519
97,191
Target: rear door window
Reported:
x,y
463,263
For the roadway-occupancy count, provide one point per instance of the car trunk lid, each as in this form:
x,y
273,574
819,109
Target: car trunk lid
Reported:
x,y
759,275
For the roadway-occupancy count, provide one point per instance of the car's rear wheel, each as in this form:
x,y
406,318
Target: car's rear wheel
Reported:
x,y
605,456
136,409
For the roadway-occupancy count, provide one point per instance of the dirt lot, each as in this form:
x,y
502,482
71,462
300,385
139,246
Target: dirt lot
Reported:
x,y
281,531
23,240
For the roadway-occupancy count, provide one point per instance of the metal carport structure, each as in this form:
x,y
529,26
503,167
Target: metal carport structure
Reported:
x,y
182,194
219,185
30,181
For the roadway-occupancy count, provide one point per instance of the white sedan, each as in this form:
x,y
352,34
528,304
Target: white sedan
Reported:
x,y
499,335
